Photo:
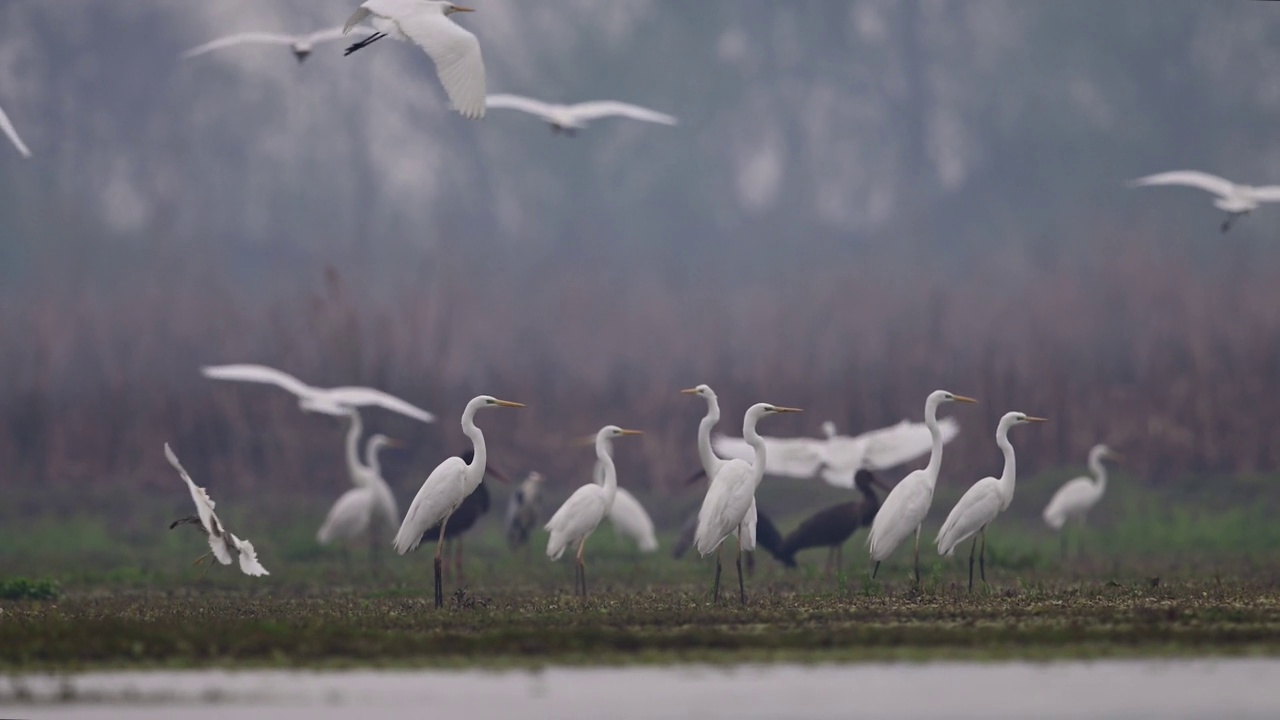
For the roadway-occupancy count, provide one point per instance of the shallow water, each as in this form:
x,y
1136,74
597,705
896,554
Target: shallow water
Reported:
x,y
1240,688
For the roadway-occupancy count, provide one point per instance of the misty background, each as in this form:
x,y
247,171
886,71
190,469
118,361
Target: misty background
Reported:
x,y
864,201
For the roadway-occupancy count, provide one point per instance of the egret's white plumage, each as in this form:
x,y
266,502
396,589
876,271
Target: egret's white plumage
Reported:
x,y
7,126
332,401
1077,496
628,517
581,514
905,506
220,539
576,117
355,511
454,50
1234,198
711,463
988,497
301,45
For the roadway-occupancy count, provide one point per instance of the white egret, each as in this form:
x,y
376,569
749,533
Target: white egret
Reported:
x,y
332,401
837,458
465,516
731,494
628,517
906,505
7,126
981,503
1077,496
523,510
221,540
581,514
712,463
355,511
455,52
301,45
446,487
1236,200
568,119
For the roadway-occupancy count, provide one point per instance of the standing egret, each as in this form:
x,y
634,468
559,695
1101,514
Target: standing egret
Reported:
x,y
581,514
301,45
831,527
1075,498
732,494
455,52
906,505
355,511
446,487
465,516
221,540
523,511
331,401
984,501
7,126
569,119
1236,200
628,516
712,463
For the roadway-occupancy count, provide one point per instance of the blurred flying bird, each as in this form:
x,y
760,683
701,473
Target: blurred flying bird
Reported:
x,y
981,503
468,513
906,505
1236,200
568,119
356,511
455,52
446,487
523,511
301,45
581,514
331,401
1077,496
831,527
7,126
221,540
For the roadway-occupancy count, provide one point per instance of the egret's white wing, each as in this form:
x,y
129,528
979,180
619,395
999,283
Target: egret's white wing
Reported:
x,y
790,457
349,517
612,108
725,506
356,396
904,442
439,495
204,508
1266,193
7,126
1189,178
240,39
630,520
246,372
331,34
901,513
454,50
577,518
1075,496
507,101
978,506
249,564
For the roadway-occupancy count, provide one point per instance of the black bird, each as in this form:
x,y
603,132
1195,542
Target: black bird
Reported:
x,y
831,527
469,511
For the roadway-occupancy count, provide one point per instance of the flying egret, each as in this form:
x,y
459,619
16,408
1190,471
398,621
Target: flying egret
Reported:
x,y
1236,200
628,516
837,458
331,401
523,511
984,501
906,505
832,526
455,52
731,494
466,515
12,132
301,45
221,540
1077,496
581,514
446,487
354,513
568,119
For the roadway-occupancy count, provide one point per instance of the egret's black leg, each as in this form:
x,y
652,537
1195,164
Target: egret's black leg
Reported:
x,y
917,555
363,43
875,569
742,588
982,557
972,547
582,565
439,564
715,589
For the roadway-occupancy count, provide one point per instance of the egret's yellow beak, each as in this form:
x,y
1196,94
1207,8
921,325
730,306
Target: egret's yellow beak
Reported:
x,y
632,432
459,8
963,399
1036,419
786,409
689,391
508,403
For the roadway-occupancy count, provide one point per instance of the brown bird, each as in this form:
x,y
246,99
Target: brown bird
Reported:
x,y
831,527
465,517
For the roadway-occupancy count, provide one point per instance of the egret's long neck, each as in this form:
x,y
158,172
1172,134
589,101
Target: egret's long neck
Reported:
x,y
935,434
371,459
1099,473
1009,475
757,443
475,471
354,467
604,453
705,453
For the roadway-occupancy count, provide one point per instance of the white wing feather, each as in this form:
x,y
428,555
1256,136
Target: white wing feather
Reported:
x,y
240,39
249,564
356,396
1265,193
1189,178
978,506
577,518
439,495
789,457
1075,497
12,132
204,509
246,372
725,506
903,510
631,521
349,517
506,101
612,108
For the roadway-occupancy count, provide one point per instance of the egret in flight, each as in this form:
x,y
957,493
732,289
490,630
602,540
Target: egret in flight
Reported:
x,y
221,540
331,401
446,487
731,494
568,119
1075,498
581,514
984,501
455,52
301,45
906,505
12,132
1236,200
370,505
